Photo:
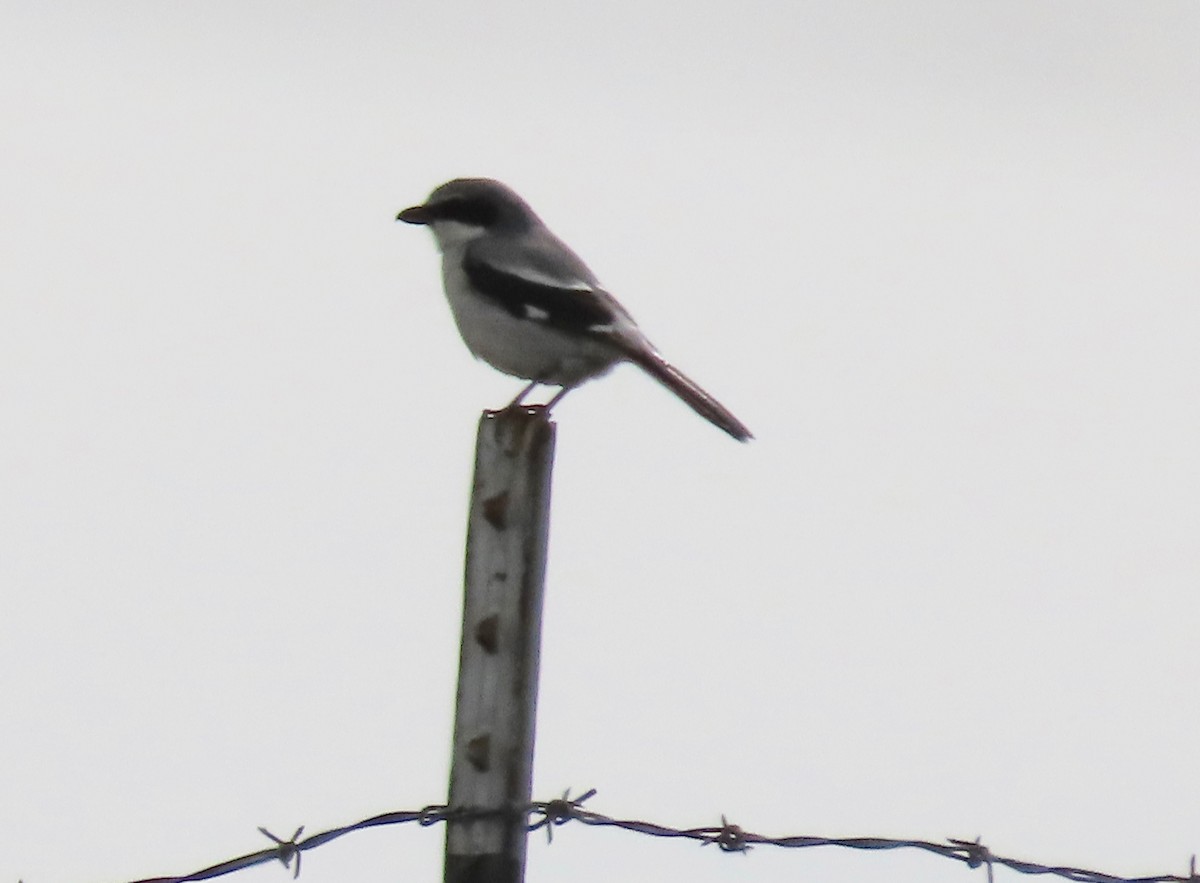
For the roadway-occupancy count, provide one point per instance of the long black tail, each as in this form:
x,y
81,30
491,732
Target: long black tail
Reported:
x,y
688,390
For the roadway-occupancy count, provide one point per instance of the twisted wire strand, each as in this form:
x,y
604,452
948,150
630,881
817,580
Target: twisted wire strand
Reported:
x,y
727,837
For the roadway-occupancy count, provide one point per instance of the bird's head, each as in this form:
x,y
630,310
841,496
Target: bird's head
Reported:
x,y
466,208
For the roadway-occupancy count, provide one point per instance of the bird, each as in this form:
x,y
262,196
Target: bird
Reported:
x,y
529,306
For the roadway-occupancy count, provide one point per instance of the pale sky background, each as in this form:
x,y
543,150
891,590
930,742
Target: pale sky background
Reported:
x,y
942,257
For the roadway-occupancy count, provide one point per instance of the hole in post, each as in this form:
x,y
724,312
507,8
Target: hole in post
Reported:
x,y
479,753
487,633
495,510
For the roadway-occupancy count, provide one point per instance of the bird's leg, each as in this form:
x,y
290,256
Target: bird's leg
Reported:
x,y
558,395
524,392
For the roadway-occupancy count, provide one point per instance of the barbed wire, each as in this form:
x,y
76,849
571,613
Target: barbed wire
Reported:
x,y
727,837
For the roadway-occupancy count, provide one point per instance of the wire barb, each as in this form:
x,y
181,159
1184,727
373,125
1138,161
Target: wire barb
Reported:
x,y
730,838
976,854
287,849
559,811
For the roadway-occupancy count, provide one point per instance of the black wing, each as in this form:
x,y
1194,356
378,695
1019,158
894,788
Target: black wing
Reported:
x,y
548,284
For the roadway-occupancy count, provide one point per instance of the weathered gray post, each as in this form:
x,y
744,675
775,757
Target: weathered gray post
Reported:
x,y
492,763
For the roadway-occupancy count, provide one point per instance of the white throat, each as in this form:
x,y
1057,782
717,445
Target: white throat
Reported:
x,y
453,234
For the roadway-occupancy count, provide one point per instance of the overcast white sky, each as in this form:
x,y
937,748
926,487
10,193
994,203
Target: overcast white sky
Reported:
x,y
942,257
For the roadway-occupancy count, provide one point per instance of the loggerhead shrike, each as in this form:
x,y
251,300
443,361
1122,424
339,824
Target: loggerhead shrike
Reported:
x,y
528,306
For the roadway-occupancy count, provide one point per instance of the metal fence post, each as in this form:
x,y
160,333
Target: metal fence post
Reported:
x,y
491,766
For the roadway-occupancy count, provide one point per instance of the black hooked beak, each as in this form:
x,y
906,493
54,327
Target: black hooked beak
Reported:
x,y
418,214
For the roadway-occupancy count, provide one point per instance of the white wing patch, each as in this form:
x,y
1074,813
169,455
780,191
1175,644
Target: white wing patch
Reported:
x,y
536,313
529,274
